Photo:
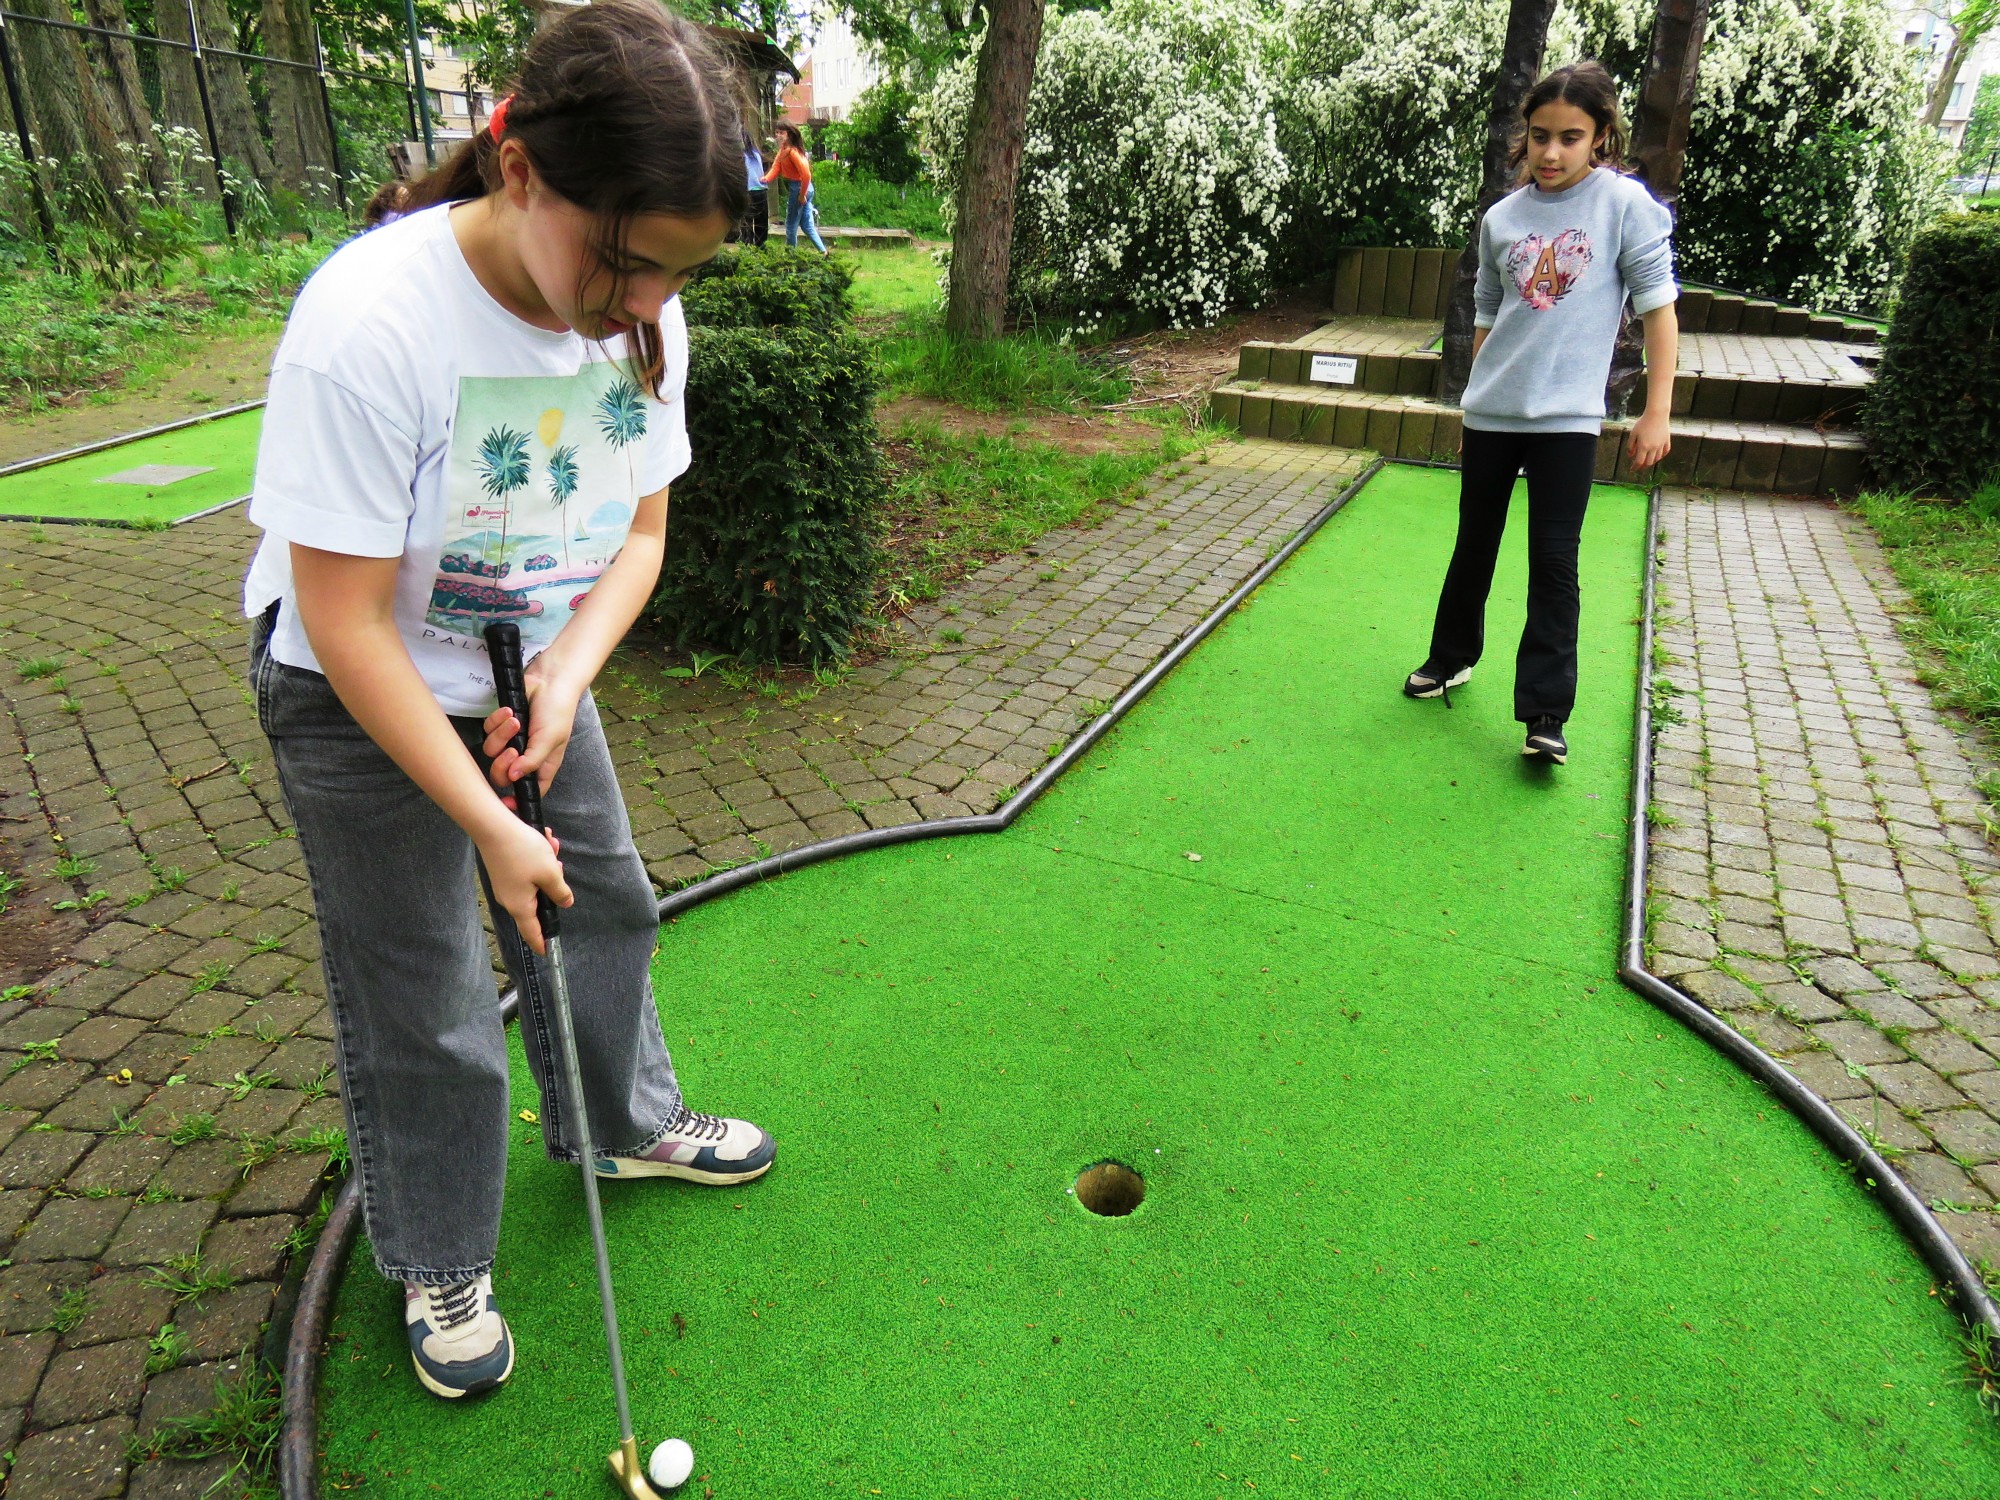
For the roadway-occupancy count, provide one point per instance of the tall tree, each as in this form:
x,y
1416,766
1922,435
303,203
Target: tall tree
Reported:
x,y
995,133
239,135
1969,22
75,127
1520,62
1660,131
917,37
298,122
124,92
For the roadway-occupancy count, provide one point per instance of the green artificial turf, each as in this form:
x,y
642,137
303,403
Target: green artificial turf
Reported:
x,y
72,490
1435,1207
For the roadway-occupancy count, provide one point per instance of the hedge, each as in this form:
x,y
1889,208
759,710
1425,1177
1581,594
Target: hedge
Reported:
x,y
1933,415
772,542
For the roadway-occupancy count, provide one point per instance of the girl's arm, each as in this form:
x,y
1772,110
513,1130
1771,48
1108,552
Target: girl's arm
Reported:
x,y
347,605
558,678
1651,438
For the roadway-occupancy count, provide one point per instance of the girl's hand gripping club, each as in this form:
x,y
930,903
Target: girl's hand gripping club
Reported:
x,y
503,645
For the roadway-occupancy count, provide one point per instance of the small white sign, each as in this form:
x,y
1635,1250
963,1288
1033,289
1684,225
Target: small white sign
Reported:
x,y
1334,369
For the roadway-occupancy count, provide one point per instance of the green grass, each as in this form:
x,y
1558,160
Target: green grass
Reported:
x,y
1947,555
854,200
957,502
1011,373
75,489
1434,1206
65,333
899,291
898,282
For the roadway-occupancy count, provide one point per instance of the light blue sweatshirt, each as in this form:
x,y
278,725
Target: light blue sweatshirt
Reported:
x,y
1555,270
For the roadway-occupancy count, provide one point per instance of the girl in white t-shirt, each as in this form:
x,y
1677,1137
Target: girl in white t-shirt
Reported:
x,y
475,414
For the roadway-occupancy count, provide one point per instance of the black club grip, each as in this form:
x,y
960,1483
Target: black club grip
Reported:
x,y
510,685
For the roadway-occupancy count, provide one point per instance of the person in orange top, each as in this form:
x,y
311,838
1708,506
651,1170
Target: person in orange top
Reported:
x,y
793,165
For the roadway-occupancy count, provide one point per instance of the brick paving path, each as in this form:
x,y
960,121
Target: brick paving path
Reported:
x,y
140,762
1824,873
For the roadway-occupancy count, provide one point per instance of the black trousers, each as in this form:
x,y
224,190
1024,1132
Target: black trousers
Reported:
x,y
756,225
1560,467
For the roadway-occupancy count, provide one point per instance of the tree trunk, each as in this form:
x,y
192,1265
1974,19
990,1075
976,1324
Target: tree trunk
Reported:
x,y
995,135
125,92
1962,41
1520,62
1659,152
298,124
244,149
75,129
180,96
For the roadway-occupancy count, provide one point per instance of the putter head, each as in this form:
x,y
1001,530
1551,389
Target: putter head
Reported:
x,y
630,1473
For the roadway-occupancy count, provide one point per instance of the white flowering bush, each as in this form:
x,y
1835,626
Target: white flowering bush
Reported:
x,y
1385,113
1152,181
1808,173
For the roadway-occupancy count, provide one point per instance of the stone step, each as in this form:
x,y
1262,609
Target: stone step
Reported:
x,y
1405,282
1698,391
1717,453
864,239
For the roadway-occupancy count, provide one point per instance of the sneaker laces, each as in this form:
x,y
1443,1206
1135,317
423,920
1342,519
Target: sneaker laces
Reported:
x,y
456,1306
699,1127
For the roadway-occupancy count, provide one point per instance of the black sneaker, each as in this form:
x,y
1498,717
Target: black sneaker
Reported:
x,y
1434,681
1545,740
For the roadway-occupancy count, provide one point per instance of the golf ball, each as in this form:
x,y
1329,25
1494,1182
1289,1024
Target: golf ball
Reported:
x,y
670,1465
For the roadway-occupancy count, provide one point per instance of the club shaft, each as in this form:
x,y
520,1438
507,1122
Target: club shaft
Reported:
x,y
573,1089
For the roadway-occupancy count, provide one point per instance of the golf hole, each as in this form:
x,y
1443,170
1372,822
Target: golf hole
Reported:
x,y
1110,1189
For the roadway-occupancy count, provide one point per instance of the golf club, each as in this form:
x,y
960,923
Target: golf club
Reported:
x,y
503,644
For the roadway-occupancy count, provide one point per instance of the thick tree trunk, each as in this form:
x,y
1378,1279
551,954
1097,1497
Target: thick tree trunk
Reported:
x,y
298,124
244,149
125,92
1659,152
995,134
74,125
1520,62
180,96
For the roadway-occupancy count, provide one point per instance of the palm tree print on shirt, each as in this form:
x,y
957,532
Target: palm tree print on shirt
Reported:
x,y
621,414
502,465
562,484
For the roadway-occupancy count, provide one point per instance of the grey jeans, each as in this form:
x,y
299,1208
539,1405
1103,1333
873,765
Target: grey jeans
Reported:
x,y
421,1052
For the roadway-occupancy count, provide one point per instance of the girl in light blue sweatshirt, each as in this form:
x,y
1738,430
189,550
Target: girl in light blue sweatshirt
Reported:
x,y
1558,259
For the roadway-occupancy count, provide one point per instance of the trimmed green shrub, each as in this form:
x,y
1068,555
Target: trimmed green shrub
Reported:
x,y
775,287
772,544
1933,414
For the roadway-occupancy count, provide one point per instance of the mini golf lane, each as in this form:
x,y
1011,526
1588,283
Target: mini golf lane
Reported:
x,y
1434,1207
74,490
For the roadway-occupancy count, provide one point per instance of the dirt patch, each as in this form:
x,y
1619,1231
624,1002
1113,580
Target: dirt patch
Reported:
x,y
35,938
219,372
1073,432
1186,363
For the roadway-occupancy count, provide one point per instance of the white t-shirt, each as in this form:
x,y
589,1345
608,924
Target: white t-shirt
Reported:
x,y
410,415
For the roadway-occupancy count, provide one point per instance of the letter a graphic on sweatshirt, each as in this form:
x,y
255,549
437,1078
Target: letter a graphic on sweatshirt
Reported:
x,y
1545,280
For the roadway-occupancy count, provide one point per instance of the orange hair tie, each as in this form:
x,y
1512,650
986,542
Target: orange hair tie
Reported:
x,y
497,121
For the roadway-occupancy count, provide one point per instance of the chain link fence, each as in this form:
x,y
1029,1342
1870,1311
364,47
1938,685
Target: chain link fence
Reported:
x,y
104,124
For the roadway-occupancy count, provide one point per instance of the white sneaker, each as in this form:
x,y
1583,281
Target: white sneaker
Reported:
x,y
459,1343
700,1148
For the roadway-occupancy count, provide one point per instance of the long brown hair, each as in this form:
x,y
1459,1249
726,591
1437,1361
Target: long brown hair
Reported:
x,y
1591,89
625,109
